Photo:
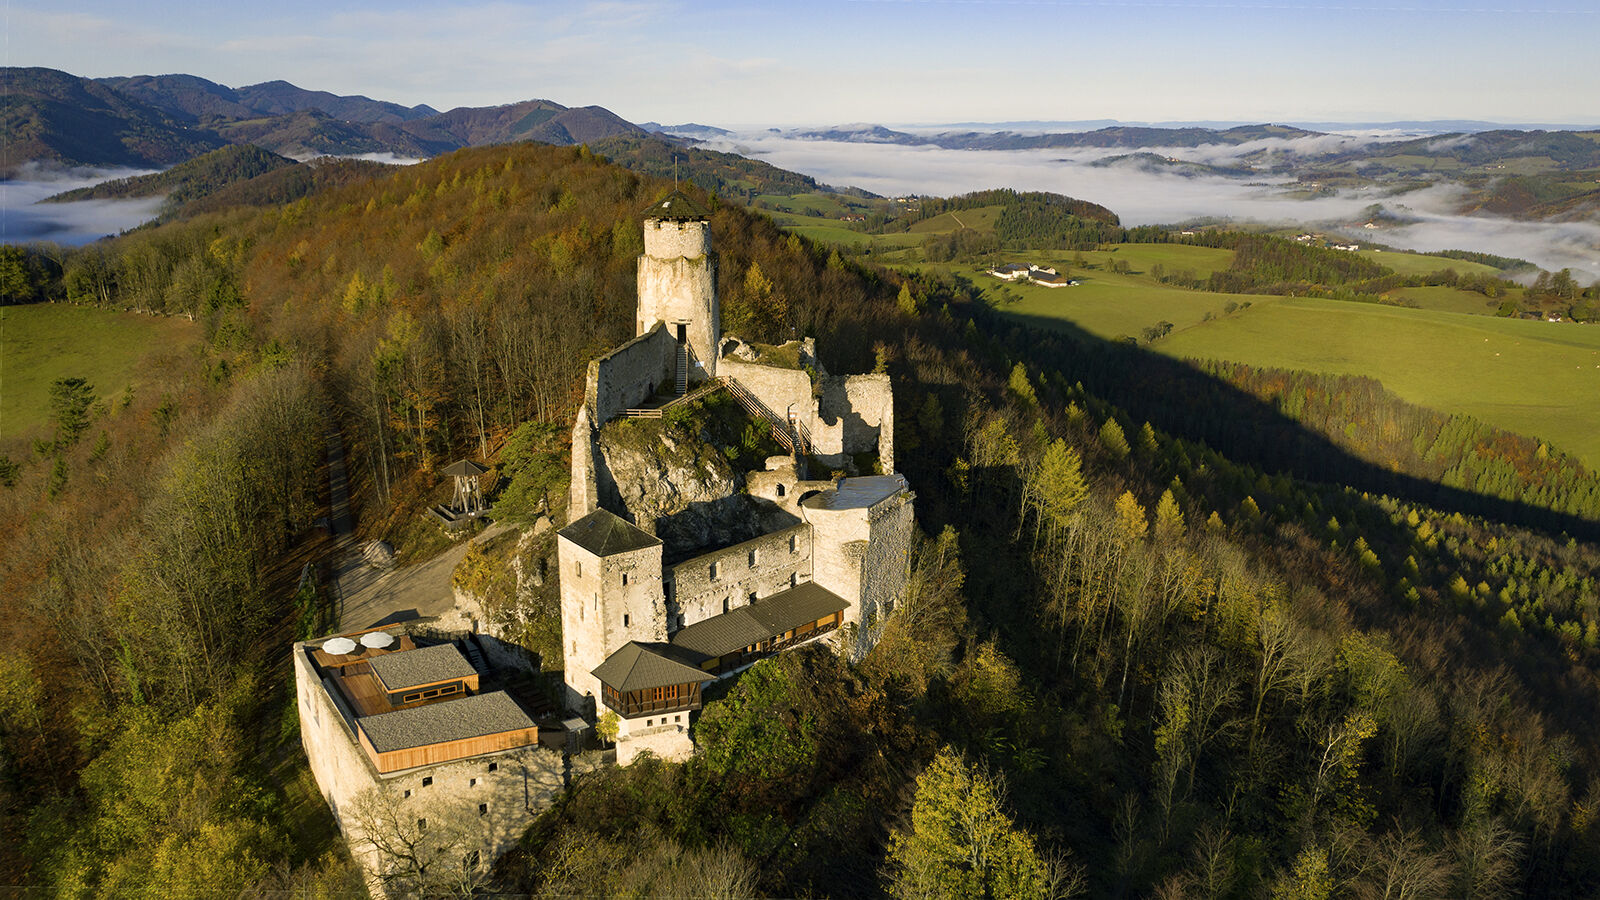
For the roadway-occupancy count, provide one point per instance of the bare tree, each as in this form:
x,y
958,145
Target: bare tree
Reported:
x,y
429,849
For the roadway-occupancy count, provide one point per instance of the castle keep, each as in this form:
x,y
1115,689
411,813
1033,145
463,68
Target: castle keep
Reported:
x,y
649,618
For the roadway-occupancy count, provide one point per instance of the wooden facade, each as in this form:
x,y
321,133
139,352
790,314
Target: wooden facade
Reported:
x,y
668,699
428,754
798,635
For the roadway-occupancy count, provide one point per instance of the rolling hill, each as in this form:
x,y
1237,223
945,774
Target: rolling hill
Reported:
x,y
149,121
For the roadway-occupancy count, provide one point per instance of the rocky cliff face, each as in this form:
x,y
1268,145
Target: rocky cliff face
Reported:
x,y
679,487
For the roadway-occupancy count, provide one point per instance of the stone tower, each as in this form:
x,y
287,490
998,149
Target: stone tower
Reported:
x,y
678,280
610,595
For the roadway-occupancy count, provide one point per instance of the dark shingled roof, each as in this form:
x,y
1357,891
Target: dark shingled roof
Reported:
x,y
604,533
677,206
765,618
637,666
450,720
465,468
424,665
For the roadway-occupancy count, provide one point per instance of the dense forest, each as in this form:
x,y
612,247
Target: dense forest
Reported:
x,y
1162,640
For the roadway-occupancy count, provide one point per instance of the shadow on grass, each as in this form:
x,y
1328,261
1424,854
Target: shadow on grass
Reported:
x,y
1183,401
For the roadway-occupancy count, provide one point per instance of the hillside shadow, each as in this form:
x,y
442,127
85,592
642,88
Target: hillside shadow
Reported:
x,y
1188,403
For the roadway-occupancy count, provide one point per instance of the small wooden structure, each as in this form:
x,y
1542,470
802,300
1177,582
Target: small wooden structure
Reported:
x,y
468,502
468,498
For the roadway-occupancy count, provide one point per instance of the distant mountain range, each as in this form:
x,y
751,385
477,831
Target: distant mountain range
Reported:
x,y
146,121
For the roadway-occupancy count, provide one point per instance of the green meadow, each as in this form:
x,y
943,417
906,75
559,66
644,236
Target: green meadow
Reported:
x,y
1452,354
1421,264
42,342
1535,378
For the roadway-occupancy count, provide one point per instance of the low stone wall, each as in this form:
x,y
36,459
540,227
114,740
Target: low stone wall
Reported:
x,y
780,559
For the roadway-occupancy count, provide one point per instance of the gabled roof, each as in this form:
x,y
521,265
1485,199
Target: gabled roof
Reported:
x,y
677,206
635,666
450,720
424,665
604,533
465,468
763,619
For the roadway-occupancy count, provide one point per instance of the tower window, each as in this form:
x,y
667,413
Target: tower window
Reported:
x,y
713,571
577,568
794,578
422,824
794,543
752,559
427,781
724,604
624,620
483,809
780,490
624,579
493,766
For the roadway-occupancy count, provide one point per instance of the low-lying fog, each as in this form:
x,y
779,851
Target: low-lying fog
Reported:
x,y
23,218
1141,196
1136,193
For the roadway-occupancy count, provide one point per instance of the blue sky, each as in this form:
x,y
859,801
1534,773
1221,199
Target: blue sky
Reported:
x,y
893,61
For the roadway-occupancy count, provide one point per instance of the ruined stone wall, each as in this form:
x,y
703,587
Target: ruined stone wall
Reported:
x,y
887,565
605,602
869,421
583,494
763,567
854,414
628,375
525,781
782,390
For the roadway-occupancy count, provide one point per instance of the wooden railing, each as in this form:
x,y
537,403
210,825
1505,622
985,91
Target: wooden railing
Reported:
x,y
791,434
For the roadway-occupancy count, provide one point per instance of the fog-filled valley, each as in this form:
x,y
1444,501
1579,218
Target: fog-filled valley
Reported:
x,y
1124,180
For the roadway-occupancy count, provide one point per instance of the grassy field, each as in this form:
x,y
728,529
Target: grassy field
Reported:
x,y
1448,299
1534,378
979,219
42,342
1419,264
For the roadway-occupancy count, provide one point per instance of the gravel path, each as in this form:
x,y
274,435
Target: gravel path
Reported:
x,y
379,596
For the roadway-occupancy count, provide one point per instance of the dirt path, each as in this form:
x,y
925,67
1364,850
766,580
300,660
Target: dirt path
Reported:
x,y
376,596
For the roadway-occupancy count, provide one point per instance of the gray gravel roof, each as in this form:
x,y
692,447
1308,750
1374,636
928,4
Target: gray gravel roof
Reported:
x,y
604,533
424,665
857,493
765,618
635,666
448,720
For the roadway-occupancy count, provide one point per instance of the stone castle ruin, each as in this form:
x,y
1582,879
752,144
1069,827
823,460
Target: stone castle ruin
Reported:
x,y
676,569
675,572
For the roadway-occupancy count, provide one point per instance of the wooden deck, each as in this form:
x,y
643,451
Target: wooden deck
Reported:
x,y
362,654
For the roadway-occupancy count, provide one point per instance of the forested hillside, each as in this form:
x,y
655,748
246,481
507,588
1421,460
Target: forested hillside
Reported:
x,y
1139,657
